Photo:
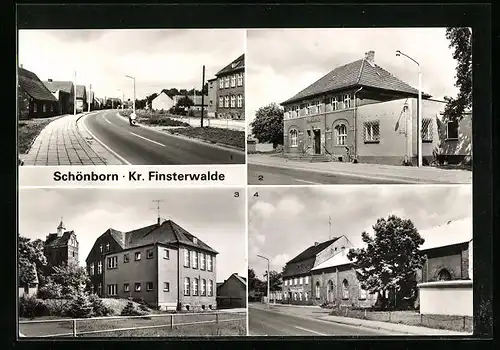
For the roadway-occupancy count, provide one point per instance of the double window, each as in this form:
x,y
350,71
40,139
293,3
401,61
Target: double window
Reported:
x,y
233,80
210,290
112,290
233,101
221,101
99,267
195,286
195,259
240,101
187,286
341,134
226,82
91,269
202,261
221,83
112,262
186,258
347,101
240,79
226,101
371,131
203,287
209,263
427,130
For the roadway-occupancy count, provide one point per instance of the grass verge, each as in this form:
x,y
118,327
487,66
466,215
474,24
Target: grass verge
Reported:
x,y
229,137
29,129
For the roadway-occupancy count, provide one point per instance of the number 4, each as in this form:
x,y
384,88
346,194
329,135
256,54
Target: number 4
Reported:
x,y
256,194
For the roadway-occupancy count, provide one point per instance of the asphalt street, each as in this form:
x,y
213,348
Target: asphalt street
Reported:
x,y
269,175
262,322
143,146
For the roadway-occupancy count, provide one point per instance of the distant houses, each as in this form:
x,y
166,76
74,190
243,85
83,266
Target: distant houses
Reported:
x,y
34,99
162,102
64,91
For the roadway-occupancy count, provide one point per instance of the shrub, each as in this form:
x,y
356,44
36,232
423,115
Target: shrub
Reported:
x,y
31,307
50,290
279,148
98,307
81,307
57,307
143,307
130,310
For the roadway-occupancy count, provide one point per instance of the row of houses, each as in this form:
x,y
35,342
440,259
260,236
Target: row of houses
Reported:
x,y
161,264
323,274
361,111
38,99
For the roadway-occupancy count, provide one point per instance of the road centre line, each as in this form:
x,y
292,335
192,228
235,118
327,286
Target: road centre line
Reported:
x,y
309,330
142,137
309,182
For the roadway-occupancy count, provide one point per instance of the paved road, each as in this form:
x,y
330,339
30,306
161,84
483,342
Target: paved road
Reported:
x,y
143,146
268,175
271,323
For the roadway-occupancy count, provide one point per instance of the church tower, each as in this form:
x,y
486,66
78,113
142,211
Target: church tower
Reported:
x,y
61,247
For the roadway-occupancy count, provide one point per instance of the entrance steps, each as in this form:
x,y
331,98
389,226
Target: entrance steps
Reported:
x,y
311,158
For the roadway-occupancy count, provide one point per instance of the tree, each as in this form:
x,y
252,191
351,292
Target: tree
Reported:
x,y
72,278
268,124
184,102
390,260
460,42
254,283
31,260
275,281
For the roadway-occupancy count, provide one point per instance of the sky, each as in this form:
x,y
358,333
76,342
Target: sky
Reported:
x,y
282,62
158,59
215,216
284,221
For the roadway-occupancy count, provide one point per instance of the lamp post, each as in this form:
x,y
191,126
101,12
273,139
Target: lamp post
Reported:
x,y
133,78
419,116
263,257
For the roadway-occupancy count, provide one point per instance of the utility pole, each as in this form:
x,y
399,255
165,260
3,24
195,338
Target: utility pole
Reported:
x,y
268,283
90,96
74,94
202,95
329,228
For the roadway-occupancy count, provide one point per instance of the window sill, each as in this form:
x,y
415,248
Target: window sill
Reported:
x,y
426,141
166,290
345,298
137,259
112,268
369,142
166,258
362,299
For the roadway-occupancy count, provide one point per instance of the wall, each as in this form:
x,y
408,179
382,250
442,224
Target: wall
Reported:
x,y
167,272
446,298
453,258
141,271
230,112
162,102
456,150
212,97
196,302
331,250
233,288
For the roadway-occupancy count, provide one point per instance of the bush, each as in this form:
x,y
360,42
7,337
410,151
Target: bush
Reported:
x,y
57,307
130,310
81,307
31,307
98,307
50,290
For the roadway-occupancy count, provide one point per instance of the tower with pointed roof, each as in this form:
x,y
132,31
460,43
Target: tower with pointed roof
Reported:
x,y
61,247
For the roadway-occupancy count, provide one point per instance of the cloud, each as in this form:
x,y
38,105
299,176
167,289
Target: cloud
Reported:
x,y
290,205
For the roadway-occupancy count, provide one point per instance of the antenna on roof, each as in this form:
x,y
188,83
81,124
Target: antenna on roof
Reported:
x,y
157,201
329,228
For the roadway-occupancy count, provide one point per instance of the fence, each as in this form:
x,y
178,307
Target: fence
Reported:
x,y
411,318
174,320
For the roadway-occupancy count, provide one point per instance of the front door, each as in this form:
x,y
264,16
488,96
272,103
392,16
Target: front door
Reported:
x,y
317,141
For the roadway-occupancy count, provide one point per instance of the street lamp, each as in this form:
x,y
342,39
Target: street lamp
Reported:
x,y
133,78
419,117
263,257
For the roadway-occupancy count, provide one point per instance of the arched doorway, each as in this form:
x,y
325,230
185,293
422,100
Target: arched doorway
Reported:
x,y
330,292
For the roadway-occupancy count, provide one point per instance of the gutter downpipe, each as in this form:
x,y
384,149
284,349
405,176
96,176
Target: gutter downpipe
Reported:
x,y
356,125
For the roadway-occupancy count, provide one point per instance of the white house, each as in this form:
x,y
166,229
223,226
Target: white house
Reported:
x,y
162,101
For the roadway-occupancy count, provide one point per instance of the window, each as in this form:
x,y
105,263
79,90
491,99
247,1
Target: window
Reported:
x,y
452,130
226,101
210,289
240,79
286,282
35,107
294,136
137,256
203,287
307,279
301,280
209,262
100,248
341,134
112,262
233,81
195,286
362,293
345,289
300,296
221,101
149,286
186,286
166,286
99,267
240,101
126,258
444,275
91,269
305,296
295,296
347,101
310,108
112,289
44,107
107,247
318,106
202,261
137,287
335,104
226,82
317,291
126,287
166,254
195,240
99,289
371,131
427,130
233,101
195,260
221,83
186,258
149,254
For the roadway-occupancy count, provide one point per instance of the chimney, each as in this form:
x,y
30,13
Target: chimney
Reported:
x,y
370,57
159,221
316,243
50,80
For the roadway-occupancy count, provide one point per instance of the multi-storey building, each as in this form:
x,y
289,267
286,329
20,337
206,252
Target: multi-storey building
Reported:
x,y
162,264
231,90
61,247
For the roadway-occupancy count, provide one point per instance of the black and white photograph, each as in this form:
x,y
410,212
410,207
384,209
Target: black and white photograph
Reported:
x,y
131,97
360,261
359,106
132,263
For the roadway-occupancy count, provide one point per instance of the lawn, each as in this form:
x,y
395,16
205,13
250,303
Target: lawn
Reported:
x,y
229,137
29,129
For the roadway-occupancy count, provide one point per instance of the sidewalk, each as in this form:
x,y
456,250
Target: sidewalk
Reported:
x,y
373,171
66,141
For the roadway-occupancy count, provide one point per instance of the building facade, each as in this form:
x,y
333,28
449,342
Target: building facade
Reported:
x,y
161,264
61,247
64,91
162,102
232,293
360,111
212,97
34,100
230,90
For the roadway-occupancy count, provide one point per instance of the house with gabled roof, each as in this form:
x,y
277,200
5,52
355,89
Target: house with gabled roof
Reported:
x,y
360,111
232,293
81,98
161,264
61,247
64,91
230,90
33,97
